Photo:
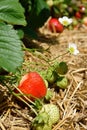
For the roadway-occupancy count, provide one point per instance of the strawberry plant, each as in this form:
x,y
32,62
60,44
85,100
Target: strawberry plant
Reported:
x,y
11,55
14,16
61,8
19,19
36,12
73,9
55,74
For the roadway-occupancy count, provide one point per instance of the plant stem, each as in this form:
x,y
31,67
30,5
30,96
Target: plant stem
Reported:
x,y
58,56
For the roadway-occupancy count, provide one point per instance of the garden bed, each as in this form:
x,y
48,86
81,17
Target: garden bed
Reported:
x,y
71,101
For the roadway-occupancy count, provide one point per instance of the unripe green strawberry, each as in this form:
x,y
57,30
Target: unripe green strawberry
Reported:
x,y
48,116
51,75
42,122
62,82
52,111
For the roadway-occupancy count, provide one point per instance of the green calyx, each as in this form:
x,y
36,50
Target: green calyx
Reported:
x,y
62,82
42,122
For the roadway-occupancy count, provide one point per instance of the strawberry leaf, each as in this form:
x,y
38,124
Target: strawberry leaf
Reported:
x,y
11,55
39,9
62,68
12,12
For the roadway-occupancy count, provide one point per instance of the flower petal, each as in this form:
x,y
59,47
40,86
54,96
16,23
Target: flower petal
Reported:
x,y
65,20
73,49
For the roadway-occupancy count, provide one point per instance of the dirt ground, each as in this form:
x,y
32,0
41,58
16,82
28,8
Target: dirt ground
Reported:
x,y
72,101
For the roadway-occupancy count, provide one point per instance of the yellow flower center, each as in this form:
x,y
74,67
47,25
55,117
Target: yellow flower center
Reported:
x,y
65,23
71,50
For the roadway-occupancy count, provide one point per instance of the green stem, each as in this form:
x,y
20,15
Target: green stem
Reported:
x,y
58,56
31,50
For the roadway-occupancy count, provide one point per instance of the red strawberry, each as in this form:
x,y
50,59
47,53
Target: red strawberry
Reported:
x,y
33,84
55,25
82,9
78,15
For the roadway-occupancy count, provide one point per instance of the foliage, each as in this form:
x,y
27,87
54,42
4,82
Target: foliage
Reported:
x,y
56,73
20,18
37,12
61,8
26,16
13,13
11,55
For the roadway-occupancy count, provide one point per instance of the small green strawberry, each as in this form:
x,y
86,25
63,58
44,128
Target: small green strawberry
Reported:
x,y
52,111
48,116
62,82
51,76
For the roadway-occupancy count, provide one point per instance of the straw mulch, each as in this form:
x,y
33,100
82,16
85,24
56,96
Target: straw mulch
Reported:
x,y
72,101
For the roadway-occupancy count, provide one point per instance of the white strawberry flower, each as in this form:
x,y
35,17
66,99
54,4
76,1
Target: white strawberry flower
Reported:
x,y
65,21
73,49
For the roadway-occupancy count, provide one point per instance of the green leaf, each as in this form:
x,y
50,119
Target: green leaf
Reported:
x,y
39,14
11,55
30,33
20,33
62,68
12,12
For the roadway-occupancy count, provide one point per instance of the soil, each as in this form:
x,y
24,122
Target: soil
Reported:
x,y
72,101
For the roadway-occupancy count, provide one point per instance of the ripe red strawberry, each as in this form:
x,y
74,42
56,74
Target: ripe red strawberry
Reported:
x,y
32,84
82,9
55,25
78,15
